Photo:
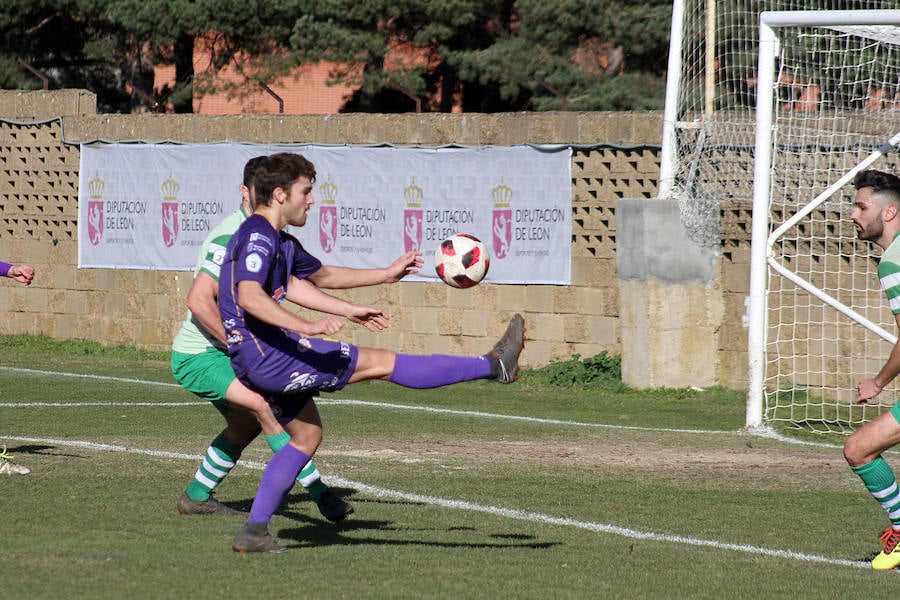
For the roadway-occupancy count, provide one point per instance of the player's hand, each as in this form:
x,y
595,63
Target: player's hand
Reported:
x,y
866,390
326,326
407,264
22,273
372,319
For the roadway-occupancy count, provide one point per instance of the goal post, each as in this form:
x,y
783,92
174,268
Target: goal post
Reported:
x,y
827,107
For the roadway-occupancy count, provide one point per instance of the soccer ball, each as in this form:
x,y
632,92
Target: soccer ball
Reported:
x,y
461,260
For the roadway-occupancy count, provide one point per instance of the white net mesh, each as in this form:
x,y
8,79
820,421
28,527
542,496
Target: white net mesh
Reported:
x,y
837,99
836,102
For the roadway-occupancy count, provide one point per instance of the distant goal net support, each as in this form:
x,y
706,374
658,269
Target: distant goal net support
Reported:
x,y
828,106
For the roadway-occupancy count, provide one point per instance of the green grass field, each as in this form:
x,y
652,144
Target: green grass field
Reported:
x,y
477,491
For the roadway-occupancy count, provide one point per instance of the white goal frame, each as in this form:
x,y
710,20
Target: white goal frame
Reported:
x,y
762,258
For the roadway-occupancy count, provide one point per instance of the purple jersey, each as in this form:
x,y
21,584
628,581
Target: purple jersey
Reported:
x,y
264,356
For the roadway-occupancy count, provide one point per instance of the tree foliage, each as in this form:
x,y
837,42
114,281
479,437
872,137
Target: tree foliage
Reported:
x,y
485,55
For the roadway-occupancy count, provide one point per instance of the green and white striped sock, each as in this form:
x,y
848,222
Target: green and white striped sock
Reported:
x,y
882,484
218,462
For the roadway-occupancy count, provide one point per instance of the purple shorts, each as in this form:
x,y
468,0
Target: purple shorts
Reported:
x,y
288,406
297,365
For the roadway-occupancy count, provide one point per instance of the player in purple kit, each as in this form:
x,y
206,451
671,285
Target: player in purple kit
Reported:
x,y
270,347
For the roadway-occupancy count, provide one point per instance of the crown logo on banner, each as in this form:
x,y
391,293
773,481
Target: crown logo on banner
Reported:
x,y
170,189
95,187
502,195
413,195
328,191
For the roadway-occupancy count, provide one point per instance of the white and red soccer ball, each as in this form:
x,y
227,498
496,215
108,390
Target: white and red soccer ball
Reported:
x,y
462,260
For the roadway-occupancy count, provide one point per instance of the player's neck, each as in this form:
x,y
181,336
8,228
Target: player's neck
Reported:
x,y
272,214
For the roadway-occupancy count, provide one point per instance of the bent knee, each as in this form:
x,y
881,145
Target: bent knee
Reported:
x,y
854,452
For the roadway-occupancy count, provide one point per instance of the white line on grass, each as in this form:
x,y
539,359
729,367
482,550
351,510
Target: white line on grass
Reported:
x,y
88,376
491,510
329,402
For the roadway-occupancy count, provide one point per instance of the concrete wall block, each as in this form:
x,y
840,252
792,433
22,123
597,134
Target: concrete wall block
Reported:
x,y
581,267
447,345
603,331
475,322
733,369
460,299
564,299
412,295
539,298
450,321
684,358
63,327
22,299
677,306
537,353
58,302
492,297
41,105
637,370
736,278
435,295
593,301
545,326
426,320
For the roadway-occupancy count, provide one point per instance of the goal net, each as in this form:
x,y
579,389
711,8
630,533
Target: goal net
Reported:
x,y
828,107
828,85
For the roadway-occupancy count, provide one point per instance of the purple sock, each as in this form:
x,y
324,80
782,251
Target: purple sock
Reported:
x,y
277,480
420,372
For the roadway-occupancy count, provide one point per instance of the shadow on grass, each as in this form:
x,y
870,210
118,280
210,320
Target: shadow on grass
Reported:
x,y
40,449
319,532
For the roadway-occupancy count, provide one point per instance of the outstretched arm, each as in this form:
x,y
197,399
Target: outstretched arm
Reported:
x,y
305,294
340,278
869,388
254,299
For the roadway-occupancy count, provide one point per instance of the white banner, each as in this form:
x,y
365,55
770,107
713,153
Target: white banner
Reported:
x,y
149,206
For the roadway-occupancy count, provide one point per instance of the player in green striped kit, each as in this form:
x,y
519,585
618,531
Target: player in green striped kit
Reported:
x,y
201,365
876,215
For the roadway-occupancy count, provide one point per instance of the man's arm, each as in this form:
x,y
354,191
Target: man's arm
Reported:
x,y
869,388
21,273
201,301
254,299
305,294
341,278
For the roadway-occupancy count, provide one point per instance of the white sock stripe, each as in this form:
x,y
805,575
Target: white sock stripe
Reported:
x,y
888,491
202,478
220,461
214,470
892,514
310,479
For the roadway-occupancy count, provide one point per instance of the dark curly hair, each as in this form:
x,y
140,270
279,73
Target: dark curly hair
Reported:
x,y
280,171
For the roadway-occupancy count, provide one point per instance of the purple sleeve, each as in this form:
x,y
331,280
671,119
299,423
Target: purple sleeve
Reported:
x,y
5,268
253,256
305,264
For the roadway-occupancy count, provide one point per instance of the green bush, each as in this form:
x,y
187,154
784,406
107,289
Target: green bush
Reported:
x,y
600,371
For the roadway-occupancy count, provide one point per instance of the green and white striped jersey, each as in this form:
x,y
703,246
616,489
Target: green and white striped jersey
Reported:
x,y
889,274
192,338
